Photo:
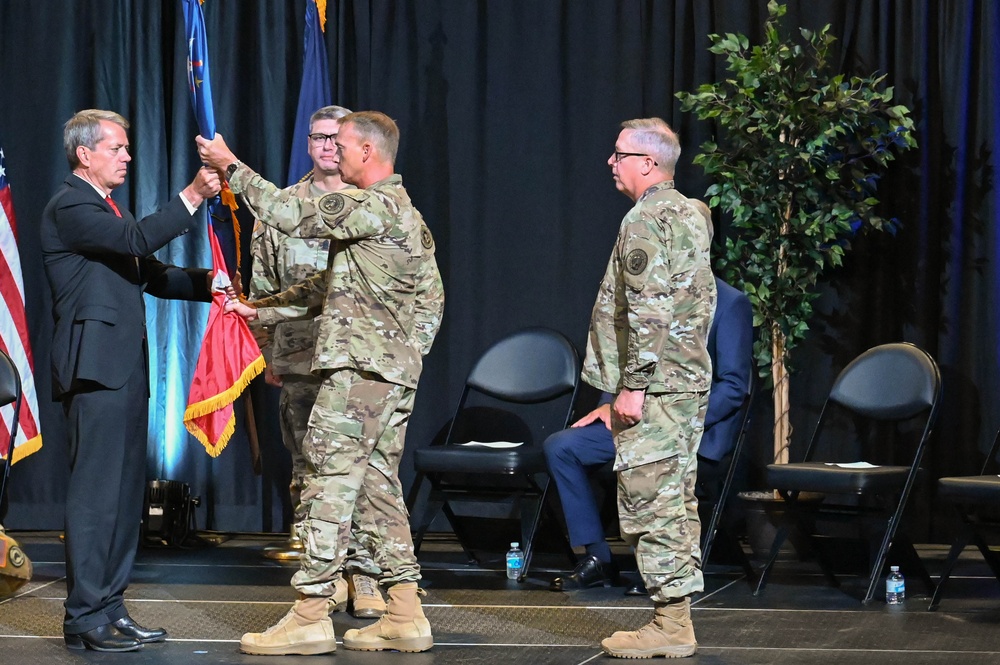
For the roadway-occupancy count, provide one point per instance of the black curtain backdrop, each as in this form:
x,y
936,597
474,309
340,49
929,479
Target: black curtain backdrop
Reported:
x,y
508,112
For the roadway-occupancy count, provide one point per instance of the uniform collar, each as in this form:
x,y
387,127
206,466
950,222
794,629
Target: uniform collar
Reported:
x,y
661,186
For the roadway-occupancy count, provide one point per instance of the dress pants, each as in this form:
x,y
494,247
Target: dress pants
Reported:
x,y
107,449
572,455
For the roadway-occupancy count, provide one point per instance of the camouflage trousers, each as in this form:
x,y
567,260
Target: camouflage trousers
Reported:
x,y
298,395
352,450
657,507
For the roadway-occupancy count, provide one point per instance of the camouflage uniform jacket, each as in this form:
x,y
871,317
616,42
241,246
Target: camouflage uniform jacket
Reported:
x,y
279,262
649,328
383,293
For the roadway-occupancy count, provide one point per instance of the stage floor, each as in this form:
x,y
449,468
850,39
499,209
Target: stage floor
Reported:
x,y
207,597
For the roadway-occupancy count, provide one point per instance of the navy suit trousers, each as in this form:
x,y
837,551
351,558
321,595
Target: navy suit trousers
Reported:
x,y
572,455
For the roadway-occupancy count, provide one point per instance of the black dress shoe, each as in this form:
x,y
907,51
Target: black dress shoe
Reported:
x,y
637,590
590,572
129,628
102,638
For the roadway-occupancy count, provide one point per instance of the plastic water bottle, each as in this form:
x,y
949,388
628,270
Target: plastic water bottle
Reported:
x,y
515,561
895,587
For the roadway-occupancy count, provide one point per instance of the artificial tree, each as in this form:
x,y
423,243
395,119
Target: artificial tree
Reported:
x,y
799,153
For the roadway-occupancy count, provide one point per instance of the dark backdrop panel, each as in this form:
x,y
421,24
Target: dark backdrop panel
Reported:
x,y
508,113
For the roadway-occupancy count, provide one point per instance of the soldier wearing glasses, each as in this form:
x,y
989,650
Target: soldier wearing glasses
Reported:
x,y
648,347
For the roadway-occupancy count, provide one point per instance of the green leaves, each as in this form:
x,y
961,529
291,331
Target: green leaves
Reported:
x,y
796,161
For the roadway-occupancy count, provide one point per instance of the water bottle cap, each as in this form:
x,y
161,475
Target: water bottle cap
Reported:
x,y
894,569
515,544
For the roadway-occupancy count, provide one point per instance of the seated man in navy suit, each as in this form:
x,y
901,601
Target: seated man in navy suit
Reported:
x,y
572,454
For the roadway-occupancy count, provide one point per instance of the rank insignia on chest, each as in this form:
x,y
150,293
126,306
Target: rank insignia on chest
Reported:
x,y
331,204
635,261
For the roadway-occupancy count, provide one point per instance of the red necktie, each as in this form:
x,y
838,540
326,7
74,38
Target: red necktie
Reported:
x,y
111,202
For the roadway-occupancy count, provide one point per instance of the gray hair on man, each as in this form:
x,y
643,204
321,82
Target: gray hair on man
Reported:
x,y
378,129
654,137
328,113
84,129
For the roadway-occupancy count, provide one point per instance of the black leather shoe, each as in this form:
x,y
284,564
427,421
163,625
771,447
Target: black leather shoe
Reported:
x,y
637,590
590,572
129,628
102,638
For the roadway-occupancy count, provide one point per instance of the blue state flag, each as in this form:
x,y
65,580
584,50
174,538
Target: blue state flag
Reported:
x,y
197,66
314,93
221,219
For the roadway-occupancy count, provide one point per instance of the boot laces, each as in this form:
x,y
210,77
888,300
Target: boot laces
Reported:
x,y
365,586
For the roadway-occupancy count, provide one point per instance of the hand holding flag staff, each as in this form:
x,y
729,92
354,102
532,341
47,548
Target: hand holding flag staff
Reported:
x,y
229,357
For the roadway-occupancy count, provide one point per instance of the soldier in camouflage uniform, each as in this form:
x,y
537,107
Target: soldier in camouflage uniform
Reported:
x,y
648,346
279,262
381,308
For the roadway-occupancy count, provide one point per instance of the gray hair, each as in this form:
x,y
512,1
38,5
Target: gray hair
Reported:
x,y
328,113
654,137
84,129
378,129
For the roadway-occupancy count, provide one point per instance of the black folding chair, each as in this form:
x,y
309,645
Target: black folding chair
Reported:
x,y
10,393
531,367
976,500
889,384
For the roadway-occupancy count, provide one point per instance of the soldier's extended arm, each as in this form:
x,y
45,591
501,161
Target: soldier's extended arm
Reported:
x,y
302,301
264,279
348,214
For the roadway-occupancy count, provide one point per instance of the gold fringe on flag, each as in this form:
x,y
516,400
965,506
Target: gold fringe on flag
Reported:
x,y
217,402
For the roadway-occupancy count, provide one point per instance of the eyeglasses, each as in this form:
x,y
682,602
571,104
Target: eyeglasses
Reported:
x,y
619,156
321,139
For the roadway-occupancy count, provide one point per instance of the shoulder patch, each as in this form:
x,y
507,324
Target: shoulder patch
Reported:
x,y
331,204
426,239
636,261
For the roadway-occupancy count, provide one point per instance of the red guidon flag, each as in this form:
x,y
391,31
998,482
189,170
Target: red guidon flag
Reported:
x,y
229,359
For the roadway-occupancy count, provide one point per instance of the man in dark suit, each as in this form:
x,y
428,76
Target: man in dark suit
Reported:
x,y
573,453
98,261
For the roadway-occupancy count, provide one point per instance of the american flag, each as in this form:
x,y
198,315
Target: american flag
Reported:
x,y
14,332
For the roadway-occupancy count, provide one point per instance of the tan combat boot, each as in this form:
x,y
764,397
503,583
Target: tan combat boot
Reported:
x,y
305,629
366,599
403,627
338,601
669,634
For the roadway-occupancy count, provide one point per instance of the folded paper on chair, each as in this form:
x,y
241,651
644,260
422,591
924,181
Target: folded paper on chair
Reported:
x,y
852,465
492,444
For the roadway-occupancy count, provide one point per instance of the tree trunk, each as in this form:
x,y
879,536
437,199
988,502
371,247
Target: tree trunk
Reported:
x,y
782,422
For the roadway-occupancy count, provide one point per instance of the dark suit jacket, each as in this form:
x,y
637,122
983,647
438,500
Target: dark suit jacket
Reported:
x,y
730,343
98,266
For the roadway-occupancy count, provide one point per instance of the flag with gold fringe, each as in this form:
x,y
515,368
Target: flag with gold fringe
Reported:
x,y
229,357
